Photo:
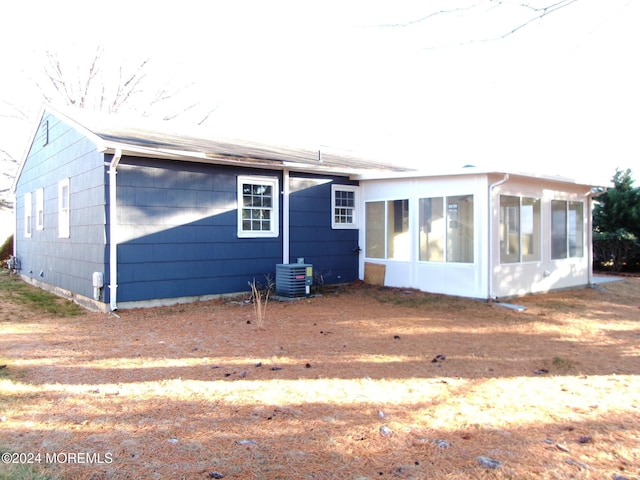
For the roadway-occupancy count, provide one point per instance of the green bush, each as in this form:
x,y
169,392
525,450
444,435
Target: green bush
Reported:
x,y
615,250
6,250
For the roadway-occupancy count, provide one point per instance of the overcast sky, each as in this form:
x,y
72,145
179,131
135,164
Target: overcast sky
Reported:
x,y
391,80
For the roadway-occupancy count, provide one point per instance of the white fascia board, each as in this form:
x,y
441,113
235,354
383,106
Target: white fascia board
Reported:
x,y
465,172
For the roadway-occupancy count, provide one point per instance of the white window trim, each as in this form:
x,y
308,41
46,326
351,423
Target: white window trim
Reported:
x,y
40,209
344,188
274,231
28,214
63,214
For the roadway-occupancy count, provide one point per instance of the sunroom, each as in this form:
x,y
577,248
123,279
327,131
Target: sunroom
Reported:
x,y
478,234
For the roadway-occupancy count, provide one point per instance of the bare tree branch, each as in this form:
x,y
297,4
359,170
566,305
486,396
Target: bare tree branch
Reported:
x,y
20,113
87,81
177,114
93,71
128,87
428,17
538,14
9,156
5,203
206,117
541,12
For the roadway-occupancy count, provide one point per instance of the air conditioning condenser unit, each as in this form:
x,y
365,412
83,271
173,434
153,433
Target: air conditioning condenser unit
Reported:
x,y
294,279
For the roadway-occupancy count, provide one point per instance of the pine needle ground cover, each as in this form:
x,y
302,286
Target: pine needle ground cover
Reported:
x,y
359,383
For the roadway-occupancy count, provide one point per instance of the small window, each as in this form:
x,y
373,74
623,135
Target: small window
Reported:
x,y
433,231
530,222
258,206
63,208
27,214
519,229
460,232
375,230
567,229
344,200
558,229
40,209
576,229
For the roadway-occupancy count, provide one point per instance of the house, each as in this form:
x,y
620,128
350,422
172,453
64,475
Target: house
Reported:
x,y
116,214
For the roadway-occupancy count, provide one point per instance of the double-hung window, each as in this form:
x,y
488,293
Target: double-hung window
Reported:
x,y
257,206
344,199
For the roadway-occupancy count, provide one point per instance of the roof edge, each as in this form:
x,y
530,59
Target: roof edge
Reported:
x,y
467,171
46,108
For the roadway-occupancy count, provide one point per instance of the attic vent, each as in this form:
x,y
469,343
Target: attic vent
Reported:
x,y
294,279
45,132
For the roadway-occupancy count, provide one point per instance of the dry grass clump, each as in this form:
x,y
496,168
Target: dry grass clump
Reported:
x,y
260,298
361,383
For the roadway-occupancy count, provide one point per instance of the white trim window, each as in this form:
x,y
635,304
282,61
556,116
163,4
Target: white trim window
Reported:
x,y
40,209
63,208
387,230
520,225
567,229
446,229
28,215
257,206
344,201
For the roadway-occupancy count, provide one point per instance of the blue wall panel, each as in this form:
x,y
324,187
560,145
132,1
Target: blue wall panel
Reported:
x,y
333,253
179,224
67,263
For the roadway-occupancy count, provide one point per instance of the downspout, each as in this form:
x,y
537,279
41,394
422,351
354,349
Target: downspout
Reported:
x,y
491,294
14,215
285,216
590,196
113,230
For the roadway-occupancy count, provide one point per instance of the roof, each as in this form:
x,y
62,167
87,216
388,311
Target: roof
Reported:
x,y
144,137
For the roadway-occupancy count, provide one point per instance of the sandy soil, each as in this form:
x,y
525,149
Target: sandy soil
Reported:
x,y
358,383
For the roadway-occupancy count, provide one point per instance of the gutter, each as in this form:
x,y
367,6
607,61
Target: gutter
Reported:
x,y
504,179
113,230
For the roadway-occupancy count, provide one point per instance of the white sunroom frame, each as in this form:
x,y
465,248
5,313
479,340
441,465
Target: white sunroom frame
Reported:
x,y
486,277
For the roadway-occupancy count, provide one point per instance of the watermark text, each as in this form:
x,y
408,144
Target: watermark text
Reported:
x,y
56,457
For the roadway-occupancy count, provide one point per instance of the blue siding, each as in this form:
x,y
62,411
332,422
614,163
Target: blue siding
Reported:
x,y
178,222
333,253
67,263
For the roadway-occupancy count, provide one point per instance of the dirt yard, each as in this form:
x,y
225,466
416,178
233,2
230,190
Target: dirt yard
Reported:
x,y
359,383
